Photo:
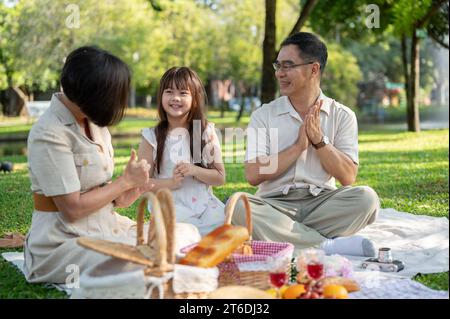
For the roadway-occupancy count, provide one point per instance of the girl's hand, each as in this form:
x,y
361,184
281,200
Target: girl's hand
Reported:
x,y
148,187
136,173
186,169
177,178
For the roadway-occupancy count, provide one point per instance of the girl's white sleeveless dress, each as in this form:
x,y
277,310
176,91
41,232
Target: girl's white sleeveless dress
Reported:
x,y
195,202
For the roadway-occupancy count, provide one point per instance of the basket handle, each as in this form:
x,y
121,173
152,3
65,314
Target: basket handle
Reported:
x,y
158,224
168,209
229,210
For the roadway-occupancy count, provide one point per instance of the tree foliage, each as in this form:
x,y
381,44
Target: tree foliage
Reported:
x,y
220,39
341,76
8,33
216,38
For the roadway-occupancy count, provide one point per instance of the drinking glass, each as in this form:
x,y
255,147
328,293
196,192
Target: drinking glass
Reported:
x,y
314,259
278,276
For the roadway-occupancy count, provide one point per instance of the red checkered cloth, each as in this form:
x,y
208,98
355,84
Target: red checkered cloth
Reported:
x,y
265,256
263,251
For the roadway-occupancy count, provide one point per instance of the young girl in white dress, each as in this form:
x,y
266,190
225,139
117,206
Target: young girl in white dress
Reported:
x,y
184,150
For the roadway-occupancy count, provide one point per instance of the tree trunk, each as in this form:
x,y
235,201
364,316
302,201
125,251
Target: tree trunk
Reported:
x,y
413,106
268,85
414,83
13,101
132,96
21,99
240,95
241,108
306,11
405,69
222,108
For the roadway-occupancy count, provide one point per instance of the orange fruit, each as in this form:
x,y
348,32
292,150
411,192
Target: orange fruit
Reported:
x,y
335,292
272,292
283,289
294,291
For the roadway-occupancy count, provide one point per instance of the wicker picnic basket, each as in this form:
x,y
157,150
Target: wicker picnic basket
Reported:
x,y
251,263
158,254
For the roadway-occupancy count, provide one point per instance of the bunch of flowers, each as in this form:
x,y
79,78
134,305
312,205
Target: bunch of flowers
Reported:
x,y
337,266
333,266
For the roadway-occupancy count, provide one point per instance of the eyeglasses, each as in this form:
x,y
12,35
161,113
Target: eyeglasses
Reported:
x,y
287,66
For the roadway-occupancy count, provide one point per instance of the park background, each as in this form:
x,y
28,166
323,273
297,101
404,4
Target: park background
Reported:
x,y
388,61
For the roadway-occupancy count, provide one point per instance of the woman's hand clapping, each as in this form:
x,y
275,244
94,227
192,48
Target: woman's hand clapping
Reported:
x,y
136,173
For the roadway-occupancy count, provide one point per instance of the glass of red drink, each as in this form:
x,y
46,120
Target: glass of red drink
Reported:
x,y
313,261
278,279
315,270
278,276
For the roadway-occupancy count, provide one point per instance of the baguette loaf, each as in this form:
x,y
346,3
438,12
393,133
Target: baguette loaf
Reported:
x,y
216,246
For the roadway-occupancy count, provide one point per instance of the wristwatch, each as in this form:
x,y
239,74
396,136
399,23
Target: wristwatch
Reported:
x,y
322,143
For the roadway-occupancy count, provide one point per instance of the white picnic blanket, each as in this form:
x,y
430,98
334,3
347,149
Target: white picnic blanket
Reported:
x,y
381,285
421,242
18,260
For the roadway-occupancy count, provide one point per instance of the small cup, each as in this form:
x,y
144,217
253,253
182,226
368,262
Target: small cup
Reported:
x,y
384,255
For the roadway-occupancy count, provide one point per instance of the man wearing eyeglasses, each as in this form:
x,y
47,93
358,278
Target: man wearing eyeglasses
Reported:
x,y
315,143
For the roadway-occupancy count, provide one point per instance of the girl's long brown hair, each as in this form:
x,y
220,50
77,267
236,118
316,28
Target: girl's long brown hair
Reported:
x,y
182,78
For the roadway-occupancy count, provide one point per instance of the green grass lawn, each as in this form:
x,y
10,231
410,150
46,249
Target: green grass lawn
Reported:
x,y
136,119
408,170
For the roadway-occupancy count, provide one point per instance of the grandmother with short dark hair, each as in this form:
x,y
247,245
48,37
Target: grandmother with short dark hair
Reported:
x,y
70,160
